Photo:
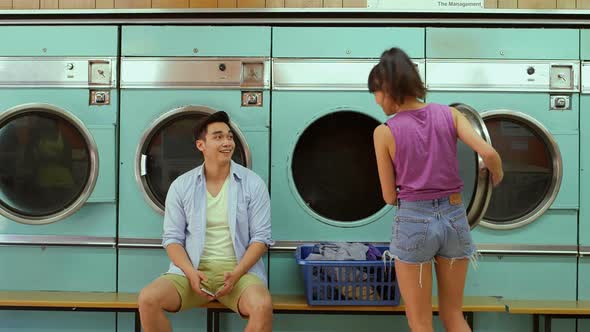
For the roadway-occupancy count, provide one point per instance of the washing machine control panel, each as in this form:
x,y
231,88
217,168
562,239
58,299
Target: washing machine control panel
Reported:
x,y
247,74
560,77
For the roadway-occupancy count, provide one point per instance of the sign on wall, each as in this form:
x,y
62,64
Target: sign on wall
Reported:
x,y
426,4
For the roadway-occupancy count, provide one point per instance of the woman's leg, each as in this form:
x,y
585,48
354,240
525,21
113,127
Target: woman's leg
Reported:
x,y
450,275
415,282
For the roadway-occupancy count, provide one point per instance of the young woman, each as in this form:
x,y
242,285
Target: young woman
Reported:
x,y
418,169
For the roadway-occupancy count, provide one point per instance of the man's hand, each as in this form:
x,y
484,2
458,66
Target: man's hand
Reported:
x,y
229,281
195,277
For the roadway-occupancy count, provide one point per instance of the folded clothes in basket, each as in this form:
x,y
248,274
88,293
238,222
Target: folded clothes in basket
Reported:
x,y
343,251
346,275
354,275
365,293
373,254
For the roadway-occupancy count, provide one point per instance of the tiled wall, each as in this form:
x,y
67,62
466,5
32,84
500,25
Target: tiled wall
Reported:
x,y
102,4
538,4
105,4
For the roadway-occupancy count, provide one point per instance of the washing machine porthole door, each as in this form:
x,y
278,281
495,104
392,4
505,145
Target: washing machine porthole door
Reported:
x,y
334,170
477,186
167,150
48,164
532,169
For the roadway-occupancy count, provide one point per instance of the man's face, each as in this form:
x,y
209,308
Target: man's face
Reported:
x,y
218,144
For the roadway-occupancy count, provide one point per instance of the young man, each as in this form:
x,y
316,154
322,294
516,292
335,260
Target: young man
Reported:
x,y
216,229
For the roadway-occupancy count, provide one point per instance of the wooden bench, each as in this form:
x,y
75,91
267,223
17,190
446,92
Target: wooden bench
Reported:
x,y
549,310
297,304
71,301
285,304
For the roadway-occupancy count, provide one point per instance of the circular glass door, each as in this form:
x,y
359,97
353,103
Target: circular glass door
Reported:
x,y
532,169
168,149
334,170
477,186
48,164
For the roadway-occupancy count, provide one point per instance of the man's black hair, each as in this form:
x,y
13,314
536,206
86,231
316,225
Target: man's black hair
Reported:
x,y
201,128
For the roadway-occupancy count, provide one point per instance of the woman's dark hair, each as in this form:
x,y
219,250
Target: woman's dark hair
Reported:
x,y
201,128
396,75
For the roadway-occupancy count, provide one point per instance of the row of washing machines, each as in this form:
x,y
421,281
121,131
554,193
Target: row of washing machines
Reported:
x,y
97,121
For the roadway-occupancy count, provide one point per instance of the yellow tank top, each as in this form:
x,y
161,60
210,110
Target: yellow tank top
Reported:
x,y
218,241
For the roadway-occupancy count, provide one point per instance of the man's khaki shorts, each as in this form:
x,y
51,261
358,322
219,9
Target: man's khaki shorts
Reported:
x,y
214,272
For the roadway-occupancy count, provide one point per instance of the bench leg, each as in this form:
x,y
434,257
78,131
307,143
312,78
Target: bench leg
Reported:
x,y
212,320
547,323
209,320
216,315
536,319
469,319
137,322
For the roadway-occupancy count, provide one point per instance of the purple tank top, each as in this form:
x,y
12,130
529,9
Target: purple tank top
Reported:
x,y
425,162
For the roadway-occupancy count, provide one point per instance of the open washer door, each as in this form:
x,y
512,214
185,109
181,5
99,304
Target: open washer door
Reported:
x,y
477,189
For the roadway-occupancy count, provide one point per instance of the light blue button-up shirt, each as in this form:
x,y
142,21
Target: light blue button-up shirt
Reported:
x,y
185,217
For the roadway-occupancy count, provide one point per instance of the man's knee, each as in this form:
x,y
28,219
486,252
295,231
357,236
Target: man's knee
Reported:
x,y
148,298
264,304
158,296
259,304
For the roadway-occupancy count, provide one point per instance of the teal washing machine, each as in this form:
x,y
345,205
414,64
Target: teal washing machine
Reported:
x,y
171,78
58,116
322,122
325,185
528,96
584,262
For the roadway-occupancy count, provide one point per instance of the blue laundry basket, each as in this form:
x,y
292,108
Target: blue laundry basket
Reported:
x,y
329,282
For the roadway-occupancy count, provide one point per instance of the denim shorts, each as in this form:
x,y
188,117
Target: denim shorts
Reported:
x,y
426,229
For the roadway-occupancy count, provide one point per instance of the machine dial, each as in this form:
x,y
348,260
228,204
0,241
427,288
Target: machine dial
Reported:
x,y
561,77
530,70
